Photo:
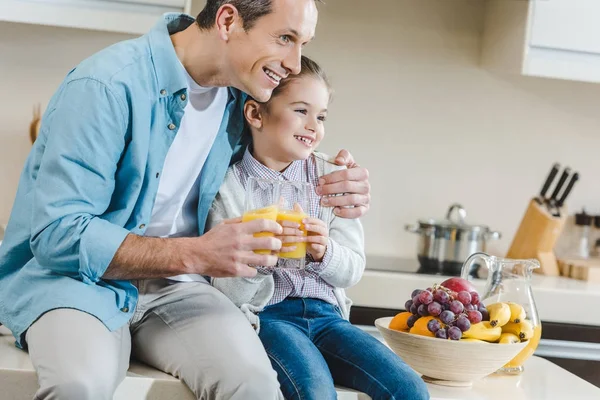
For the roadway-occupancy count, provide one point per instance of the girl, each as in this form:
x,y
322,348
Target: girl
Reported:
x,y
304,313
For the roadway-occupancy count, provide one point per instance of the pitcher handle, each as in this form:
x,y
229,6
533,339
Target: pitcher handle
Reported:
x,y
466,268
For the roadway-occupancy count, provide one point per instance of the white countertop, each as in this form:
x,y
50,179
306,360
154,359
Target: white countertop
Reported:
x,y
558,299
542,380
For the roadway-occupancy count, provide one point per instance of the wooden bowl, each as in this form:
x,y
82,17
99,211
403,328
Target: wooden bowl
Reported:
x,y
447,362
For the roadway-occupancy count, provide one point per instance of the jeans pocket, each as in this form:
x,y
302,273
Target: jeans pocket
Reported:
x,y
339,311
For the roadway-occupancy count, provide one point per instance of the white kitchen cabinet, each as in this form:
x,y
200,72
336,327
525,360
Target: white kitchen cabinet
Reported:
x,y
125,16
545,38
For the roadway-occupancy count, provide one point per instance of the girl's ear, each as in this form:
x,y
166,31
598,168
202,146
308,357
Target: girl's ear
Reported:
x,y
253,114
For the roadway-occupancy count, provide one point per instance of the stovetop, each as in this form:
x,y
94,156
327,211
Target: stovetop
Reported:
x,y
412,266
396,264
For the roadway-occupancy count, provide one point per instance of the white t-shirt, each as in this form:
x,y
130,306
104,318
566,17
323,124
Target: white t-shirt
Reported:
x,y
175,212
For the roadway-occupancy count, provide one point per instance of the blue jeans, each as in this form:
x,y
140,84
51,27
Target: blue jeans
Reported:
x,y
312,348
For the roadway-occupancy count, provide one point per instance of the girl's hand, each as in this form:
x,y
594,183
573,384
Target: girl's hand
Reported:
x,y
316,241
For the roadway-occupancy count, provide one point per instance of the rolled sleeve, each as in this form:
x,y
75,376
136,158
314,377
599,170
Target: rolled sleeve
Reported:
x,y
319,267
99,243
84,138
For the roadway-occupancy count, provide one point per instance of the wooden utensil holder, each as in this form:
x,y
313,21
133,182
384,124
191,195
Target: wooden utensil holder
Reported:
x,y
537,234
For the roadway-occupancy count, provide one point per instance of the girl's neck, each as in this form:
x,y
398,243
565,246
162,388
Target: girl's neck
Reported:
x,y
262,154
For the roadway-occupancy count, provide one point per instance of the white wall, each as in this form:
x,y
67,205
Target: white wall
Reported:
x,y
33,61
411,104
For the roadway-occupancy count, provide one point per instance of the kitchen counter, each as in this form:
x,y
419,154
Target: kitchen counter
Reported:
x,y
542,380
558,299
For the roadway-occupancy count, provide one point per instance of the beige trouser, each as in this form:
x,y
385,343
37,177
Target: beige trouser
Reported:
x,y
189,330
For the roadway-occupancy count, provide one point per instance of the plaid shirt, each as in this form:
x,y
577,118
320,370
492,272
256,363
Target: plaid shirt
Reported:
x,y
292,282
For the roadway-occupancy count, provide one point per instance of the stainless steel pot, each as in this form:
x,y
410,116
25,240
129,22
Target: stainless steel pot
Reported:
x,y
444,244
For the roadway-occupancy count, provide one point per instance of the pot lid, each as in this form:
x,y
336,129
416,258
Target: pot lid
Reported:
x,y
455,219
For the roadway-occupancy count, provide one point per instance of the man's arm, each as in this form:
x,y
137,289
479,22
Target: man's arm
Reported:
x,y
224,251
84,142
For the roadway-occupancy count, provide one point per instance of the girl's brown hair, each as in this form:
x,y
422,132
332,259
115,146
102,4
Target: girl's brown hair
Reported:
x,y
308,68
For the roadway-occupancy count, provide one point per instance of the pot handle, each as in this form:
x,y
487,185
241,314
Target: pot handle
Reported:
x,y
460,211
412,228
493,235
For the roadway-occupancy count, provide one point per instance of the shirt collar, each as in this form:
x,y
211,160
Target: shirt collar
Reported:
x,y
169,75
167,66
254,168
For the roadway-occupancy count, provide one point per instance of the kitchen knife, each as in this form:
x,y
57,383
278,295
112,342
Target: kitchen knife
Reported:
x,y
559,185
568,189
542,197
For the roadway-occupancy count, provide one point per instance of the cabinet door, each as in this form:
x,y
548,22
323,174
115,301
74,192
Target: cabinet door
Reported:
x,y
571,25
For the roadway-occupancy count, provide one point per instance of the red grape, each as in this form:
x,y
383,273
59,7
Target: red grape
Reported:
x,y
454,333
474,316
464,297
470,307
416,292
441,296
441,334
474,298
414,309
434,308
411,320
423,310
485,315
408,304
447,316
463,323
416,301
456,307
426,297
433,325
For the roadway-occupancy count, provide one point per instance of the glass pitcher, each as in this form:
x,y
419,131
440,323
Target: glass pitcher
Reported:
x,y
510,281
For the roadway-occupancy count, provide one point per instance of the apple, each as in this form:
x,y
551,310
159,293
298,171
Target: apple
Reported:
x,y
458,285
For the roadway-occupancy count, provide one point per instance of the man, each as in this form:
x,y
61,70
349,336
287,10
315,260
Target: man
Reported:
x,y
104,253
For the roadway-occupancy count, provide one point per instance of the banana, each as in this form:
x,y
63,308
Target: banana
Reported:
x,y
524,329
483,331
517,312
499,314
509,338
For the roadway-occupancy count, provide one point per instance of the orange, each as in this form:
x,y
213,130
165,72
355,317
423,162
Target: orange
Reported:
x,y
420,327
398,323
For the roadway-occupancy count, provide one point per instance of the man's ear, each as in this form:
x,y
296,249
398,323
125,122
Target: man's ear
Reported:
x,y
227,21
253,112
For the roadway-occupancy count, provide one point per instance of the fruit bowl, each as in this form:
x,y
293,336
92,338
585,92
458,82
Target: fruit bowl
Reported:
x,y
448,362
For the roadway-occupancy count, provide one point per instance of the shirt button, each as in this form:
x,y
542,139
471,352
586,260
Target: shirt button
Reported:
x,y
163,92
142,226
171,127
125,309
183,97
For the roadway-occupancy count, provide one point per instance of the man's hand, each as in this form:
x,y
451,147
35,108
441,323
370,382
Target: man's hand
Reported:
x,y
290,235
350,187
227,250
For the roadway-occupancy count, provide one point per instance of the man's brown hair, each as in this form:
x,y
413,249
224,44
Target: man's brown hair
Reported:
x,y
249,10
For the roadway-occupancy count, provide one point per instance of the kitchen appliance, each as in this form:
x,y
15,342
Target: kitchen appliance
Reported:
x,y
445,244
543,222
